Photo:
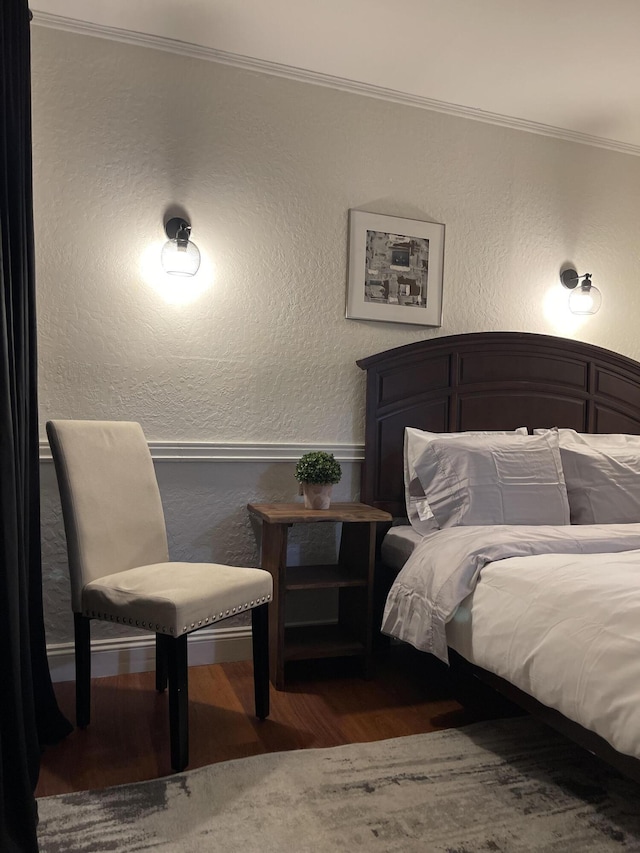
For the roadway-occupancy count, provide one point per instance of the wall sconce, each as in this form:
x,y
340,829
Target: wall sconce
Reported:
x,y
179,256
584,298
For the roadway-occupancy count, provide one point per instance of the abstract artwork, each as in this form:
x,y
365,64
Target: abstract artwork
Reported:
x,y
395,269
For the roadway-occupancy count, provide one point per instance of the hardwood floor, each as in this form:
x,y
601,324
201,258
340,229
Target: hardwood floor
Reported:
x,y
324,705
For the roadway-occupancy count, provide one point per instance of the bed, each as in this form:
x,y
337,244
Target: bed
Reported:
x,y
505,381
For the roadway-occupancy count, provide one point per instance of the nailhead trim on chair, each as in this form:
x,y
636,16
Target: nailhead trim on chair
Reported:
x,y
223,615
109,617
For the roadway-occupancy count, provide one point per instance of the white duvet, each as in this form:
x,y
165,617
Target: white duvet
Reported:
x,y
554,610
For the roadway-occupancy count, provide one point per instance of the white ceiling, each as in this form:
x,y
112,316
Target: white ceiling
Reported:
x,y
566,67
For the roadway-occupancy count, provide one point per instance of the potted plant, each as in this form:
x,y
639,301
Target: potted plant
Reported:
x,y
317,472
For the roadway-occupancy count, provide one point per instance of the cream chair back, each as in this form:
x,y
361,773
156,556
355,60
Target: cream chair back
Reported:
x,y
110,499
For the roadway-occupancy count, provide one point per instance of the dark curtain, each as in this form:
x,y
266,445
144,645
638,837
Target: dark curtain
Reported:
x,y
29,715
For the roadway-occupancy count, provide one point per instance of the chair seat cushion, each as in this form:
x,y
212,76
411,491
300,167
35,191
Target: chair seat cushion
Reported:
x,y
176,598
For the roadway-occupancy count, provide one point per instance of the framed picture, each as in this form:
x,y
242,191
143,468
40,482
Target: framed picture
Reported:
x,y
395,269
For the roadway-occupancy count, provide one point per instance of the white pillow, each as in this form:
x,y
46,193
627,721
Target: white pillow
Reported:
x,y
415,441
498,479
602,474
594,439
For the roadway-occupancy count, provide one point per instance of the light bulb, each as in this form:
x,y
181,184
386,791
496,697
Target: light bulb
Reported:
x,y
180,259
585,299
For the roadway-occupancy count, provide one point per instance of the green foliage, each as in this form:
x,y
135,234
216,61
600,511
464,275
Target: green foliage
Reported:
x,y
318,467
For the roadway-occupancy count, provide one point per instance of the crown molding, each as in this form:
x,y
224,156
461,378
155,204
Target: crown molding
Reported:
x,y
210,451
211,54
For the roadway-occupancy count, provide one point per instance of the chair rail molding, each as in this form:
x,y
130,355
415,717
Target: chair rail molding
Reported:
x,y
211,451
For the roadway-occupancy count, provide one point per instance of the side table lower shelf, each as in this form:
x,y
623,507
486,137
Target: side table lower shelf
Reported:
x,y
320,641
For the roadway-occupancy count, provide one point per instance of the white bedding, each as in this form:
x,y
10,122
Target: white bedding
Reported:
x,y
444,568
556,612
566,630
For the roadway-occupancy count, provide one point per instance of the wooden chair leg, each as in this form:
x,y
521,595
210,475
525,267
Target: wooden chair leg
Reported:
x,y
260,637
178,701
162,660
82,635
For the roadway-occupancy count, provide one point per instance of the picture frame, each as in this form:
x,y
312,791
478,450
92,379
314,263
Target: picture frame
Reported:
x,y
395,269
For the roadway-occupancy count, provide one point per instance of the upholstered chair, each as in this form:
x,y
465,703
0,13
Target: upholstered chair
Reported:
x,y
120,570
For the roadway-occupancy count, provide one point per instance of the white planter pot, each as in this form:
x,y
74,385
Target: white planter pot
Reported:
x,y
317,495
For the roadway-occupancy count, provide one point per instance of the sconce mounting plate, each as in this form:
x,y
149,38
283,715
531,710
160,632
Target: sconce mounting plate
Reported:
x,y
569,278
174,225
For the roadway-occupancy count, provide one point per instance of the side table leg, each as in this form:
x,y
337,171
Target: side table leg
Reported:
x,y
274,560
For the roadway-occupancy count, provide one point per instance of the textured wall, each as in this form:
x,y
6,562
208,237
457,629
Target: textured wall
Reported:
x,y
267,169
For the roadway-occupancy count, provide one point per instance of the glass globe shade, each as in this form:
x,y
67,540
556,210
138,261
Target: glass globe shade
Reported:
x,y
585,299
180,257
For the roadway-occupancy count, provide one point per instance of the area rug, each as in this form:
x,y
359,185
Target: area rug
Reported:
x,y
508,785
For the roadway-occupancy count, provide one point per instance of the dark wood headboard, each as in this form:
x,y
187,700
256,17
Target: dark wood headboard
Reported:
x,y
488,380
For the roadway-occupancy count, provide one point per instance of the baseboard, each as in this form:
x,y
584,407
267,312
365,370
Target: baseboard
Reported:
x,y
137,654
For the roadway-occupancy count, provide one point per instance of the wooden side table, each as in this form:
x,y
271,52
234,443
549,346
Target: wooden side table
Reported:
x,y
352,576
